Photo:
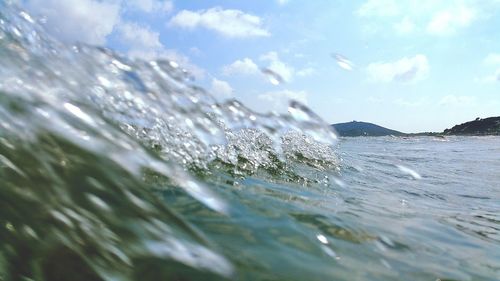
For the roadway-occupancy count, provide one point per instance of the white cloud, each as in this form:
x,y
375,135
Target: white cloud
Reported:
x,y
434,17
453,100
88,21
492,78
145,44
276,65
230,23
279,100
91,21
139,37
404,70
184,62
221,89
492,59
282,2
245,66
410,103
195,51
449,20
152,5
308,71
405,26
170,54
379,8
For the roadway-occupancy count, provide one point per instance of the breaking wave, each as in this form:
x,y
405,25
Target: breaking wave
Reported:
x,y
90,143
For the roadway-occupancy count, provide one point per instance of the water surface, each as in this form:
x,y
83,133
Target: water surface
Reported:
x,y
119,169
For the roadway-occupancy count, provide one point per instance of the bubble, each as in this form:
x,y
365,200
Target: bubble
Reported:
x,y
110,137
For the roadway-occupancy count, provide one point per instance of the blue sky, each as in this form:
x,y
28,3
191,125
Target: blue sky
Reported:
x,y
415,65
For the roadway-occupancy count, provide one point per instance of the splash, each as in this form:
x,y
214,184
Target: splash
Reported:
x,y
87,140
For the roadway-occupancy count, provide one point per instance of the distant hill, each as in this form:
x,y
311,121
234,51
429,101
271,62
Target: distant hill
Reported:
x,y
356,129
486,126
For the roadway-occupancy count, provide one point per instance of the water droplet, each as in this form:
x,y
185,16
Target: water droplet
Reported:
x,y
78,113
98,202
16,32
329,252
385,263
322,238
30,232
339,182
409,171
300,112
387,240
62,218
404,203
27,17
173,64
121,65
5,161
274,78
343,62
104,81
9,227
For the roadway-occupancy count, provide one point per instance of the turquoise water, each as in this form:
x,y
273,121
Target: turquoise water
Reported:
x,y
113,169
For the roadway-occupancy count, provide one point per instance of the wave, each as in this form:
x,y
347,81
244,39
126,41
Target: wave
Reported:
x,y
89,138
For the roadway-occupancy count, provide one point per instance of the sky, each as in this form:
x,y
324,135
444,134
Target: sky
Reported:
x,y
409,65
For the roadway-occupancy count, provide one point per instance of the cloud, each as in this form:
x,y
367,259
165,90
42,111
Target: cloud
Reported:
x,y
245,66
308,71
91,21
139,37
279,100
433,17
170,54
229,23
195,51
282,2
88,21
411,103
152,5
405,70
449,20
492,59
221,89
492,78
379,8
405,26
145,44
453,100
276,65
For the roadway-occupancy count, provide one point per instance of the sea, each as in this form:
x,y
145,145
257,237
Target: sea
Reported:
x,y
118,169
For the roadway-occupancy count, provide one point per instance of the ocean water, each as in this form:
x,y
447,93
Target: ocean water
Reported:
x,y
115,169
